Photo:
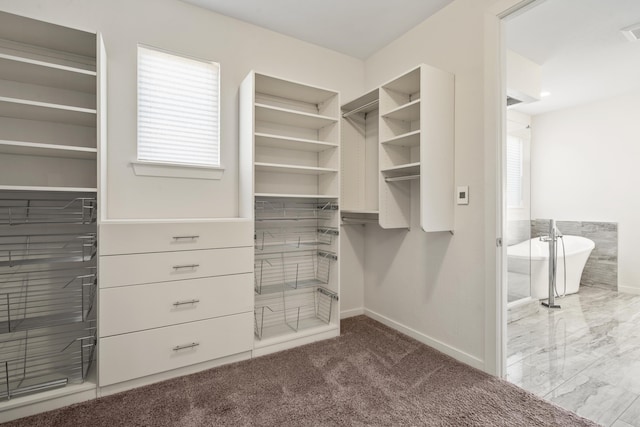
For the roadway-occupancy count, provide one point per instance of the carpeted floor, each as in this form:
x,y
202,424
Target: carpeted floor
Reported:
x,y
370,375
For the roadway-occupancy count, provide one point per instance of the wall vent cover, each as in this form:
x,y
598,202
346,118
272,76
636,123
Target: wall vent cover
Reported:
x,y
632,32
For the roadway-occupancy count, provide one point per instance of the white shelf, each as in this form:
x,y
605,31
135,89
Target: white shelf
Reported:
x,y
47,150
288,143
43,111
287,89
287,117
297,196
45,188
409,112
409,139
408,84
27,70
359,211
402,170
302,170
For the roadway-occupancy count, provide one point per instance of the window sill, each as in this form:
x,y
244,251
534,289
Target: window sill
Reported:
x,y
176,170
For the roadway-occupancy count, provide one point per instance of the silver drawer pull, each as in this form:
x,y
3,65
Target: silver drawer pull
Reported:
x,y
186,237
186,346
192,301
191,266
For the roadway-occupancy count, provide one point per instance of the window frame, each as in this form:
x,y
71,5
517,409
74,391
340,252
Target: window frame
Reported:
x,y
178,169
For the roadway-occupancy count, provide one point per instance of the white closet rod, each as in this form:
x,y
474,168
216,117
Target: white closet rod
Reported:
x,y
362,107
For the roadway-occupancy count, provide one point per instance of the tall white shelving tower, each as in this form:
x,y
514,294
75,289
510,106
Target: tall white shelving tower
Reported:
x,y
290,185
51,103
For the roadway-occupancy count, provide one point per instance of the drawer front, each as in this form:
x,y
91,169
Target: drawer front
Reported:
x,y
137,269
118,239
135,355
170,303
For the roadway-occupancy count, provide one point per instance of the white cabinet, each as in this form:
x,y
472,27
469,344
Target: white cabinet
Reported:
x,y
173,294
289,186
416,131
397,143
49,121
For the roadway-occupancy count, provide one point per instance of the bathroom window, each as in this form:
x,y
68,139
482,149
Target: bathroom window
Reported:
x,y
514,172
178,112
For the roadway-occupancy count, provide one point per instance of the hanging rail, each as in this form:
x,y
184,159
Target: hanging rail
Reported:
x,y
358,109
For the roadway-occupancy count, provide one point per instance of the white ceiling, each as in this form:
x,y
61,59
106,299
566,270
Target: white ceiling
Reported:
x,y
580,48
355,27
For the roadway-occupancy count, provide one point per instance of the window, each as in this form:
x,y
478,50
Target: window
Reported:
x,y
178,111
514,172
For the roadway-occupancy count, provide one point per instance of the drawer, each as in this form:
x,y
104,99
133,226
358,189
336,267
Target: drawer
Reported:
x,y
135,308
124,270
167,236
135,355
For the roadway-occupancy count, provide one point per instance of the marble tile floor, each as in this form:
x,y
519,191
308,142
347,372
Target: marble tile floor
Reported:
x,y
584,357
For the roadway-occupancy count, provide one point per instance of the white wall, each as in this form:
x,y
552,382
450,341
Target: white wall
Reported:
x,y
585,168
434,283
183,28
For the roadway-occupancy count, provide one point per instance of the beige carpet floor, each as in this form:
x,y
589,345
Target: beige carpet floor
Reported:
x,y
369,376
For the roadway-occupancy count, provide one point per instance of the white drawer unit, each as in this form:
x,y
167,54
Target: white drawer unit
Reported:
x,y
170,303
134,238
125,270
139,354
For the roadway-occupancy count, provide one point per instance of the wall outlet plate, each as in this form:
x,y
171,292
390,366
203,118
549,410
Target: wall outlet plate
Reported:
x,y
462,195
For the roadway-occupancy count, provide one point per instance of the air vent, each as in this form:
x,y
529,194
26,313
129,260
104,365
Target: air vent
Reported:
x,y
632,32
512,101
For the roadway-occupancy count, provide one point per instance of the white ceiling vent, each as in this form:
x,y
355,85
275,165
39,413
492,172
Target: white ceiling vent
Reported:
x,y
632,32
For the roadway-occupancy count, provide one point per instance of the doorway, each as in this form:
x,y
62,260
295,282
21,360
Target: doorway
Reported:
x,y
572,145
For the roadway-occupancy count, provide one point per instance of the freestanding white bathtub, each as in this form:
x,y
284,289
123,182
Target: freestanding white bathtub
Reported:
x,y
577,249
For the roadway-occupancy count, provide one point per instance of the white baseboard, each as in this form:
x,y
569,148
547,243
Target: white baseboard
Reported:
x,y
438,345
351,313
629,290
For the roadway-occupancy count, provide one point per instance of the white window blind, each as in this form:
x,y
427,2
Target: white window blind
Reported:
x,y
178,109
514,172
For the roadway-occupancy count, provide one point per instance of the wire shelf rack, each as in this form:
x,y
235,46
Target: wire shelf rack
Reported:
x,y
41,299
46,248
293,313
34,361
286,271
282,239
294,210
20,211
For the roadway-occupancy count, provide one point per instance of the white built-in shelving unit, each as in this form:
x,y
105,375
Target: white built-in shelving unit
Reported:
x,y
416,145
50,103
290,185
